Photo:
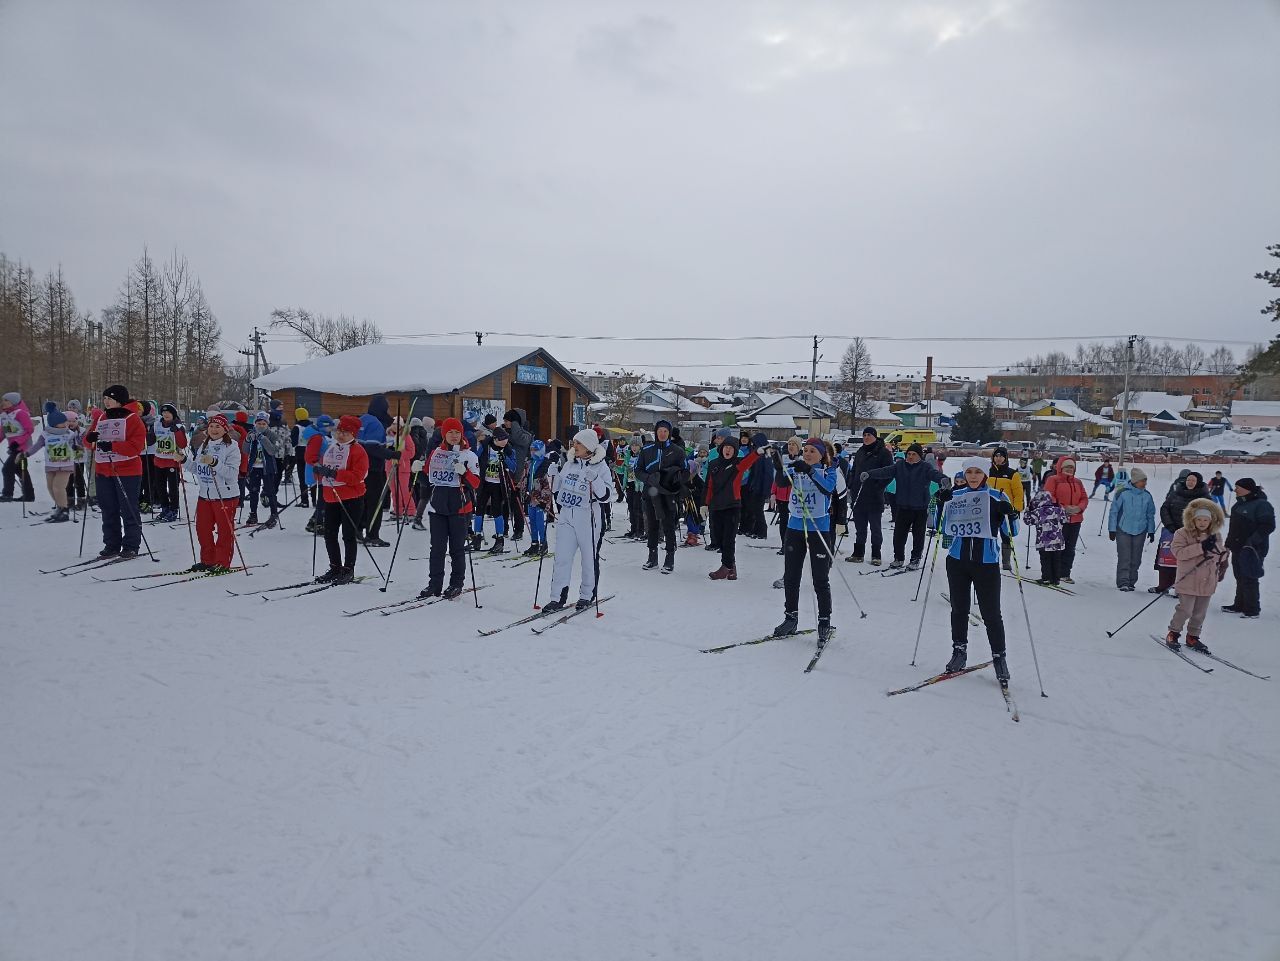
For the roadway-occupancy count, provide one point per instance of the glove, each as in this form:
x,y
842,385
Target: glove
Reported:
x,y
1210,544
91,437
417,466
208,460
944,495
105,446
1151,538
800,467
759,440
1112,535
945,483
393,454
320,470
762,451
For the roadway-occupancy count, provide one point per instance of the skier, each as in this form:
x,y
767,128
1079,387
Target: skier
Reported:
x,y
579,488
301,421
1104,477
216,466
866,499
661,469
171,440
975,516
60,445
1201,562
265,458
454,473
813,487
633,489
1132,520
1253,520
496,461
1025,475
541,498
118,438
1003,478
520,442
76,490
373,440
1068,493
911,477
400,471
1189,486
724,500
15,420
1218,489
1048,519
321,428
341,467
782,487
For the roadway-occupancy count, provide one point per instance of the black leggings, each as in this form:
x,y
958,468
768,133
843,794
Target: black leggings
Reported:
x,y
724,533
963,576
909,520
815,544
1071,533
344,517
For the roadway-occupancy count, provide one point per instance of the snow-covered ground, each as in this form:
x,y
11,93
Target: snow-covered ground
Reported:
x,y
192,775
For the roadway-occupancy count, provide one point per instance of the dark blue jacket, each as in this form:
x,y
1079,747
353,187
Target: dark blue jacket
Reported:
x,y
912,490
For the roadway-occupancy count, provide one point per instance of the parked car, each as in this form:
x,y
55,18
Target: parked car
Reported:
x,y
1231,452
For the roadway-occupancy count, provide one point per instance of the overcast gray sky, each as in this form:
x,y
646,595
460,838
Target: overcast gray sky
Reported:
x,y
722,167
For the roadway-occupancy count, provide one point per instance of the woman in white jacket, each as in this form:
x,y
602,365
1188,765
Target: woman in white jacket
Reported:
x,y
216,466
580,487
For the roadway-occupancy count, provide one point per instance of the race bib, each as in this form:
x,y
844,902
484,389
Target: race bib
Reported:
x,y
491,470
166,443
801,502
440,469
335,456
112,429
575,488
204,473
57,452
11,427
969,515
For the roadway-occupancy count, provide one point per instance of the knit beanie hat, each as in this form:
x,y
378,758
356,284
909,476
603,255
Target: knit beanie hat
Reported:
x,y
1137,474
981,463
117,392
261,416
300,413
870,430
1248,483
588,439
818,444
350,423
220,420
242,416
500,433
13,397
55,419
916,448
450,423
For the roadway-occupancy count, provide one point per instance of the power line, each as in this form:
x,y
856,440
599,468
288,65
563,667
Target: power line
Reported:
x,y
706,338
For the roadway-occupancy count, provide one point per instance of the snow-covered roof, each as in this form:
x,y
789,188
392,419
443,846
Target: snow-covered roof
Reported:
x,y
763,398
936,408
1146,401
1255,408
380,368
882,412
767,421
1067,410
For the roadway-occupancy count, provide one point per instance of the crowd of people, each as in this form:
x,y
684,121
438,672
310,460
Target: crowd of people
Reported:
x,y
128,458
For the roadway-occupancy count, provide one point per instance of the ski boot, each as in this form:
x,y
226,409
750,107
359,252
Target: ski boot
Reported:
x,y
1171,640
345,575
1002,669
583,604
216,569
329,576
452,591
1194,644
376,542
652,562
824,630
108,552
723,574
253,519
876,562
498,546
711,547
895,563
273,520
431,590
129,553
533,550
913,564
779,584
669,563
959,657
476,542
559,604
790,624
417,524
854,558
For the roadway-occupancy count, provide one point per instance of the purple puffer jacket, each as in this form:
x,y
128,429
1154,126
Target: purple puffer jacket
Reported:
x,y
1047,518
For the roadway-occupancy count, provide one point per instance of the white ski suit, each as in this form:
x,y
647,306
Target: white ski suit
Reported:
x,y
579,489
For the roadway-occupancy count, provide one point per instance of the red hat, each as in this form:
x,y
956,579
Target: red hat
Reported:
x,y
450,423
220,420
242,416
599,431
350,423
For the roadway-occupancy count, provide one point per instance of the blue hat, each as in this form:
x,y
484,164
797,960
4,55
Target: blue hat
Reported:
x,y
324,423
261,415
537,447
817,443
55,418
663,423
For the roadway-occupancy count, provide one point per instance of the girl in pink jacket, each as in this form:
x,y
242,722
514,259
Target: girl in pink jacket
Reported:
x,y
15,422
1201,564
400,472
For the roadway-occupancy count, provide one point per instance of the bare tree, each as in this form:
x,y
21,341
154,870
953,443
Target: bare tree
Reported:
x,y
323,334
1193,358
852,388
624,395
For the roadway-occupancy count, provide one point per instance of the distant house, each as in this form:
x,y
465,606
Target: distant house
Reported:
x,y
1068,416
439,381
1255,413
933,414
785,416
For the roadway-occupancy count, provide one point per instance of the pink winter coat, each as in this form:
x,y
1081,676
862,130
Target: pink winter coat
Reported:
x,y
18,426
1196,576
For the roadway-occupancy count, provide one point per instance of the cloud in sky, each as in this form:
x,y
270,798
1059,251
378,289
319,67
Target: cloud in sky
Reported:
x,y
924,168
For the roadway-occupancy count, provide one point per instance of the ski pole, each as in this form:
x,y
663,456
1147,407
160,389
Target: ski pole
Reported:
x,y
936,542
595,551
394,551
538,584
347,514
1030,636
85,520
1153,600
23,482
925,606
182,479
471,565
221,506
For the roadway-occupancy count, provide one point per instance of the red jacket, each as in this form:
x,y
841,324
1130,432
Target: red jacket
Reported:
x,y
350,477
130,449
1067,491
242,434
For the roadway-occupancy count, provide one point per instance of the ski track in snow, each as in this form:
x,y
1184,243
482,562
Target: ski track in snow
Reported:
x,y
190,774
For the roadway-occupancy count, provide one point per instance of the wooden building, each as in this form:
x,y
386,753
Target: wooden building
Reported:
x,y
445,380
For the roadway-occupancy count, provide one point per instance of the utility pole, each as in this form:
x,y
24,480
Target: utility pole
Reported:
x,y
1124,413
813,381
248,376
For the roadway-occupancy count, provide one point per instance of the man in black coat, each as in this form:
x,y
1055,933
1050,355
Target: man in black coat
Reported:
x,y
661,470
866,498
